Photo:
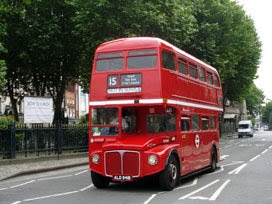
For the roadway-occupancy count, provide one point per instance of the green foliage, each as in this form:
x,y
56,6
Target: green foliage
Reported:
x,y
104,20
4,122
84,119
227,40
267,114
254,99
46,44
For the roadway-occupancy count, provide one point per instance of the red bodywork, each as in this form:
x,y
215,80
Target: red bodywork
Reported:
x,y
126,154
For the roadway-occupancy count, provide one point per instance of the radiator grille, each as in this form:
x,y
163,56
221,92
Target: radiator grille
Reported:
x,y
122,162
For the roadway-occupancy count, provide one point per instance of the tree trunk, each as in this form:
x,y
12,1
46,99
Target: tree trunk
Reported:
x,y
13,101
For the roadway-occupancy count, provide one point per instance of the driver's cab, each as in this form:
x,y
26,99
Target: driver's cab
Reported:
x,y
135,120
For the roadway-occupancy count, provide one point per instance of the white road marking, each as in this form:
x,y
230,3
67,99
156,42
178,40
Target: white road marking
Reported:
x,y
254,158
264,151
57,177
150,198
22,184
200,189
17,202
187,186
259,145
228,146
219,190
223,157
263,139
50,196
238,169
270,147
245,145
1,189
222,167
83,189
199,198
82,172
181,187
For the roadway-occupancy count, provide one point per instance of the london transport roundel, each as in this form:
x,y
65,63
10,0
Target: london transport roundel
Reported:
x,y
197,141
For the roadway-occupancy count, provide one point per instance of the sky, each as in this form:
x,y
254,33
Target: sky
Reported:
x,y
260,12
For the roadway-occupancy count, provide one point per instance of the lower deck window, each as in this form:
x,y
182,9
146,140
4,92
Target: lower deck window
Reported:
x,y
161,123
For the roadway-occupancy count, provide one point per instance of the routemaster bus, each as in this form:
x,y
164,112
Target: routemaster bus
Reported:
x,y
154,110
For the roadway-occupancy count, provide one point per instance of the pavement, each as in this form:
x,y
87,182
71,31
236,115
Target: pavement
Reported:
x,y
38,165
13,168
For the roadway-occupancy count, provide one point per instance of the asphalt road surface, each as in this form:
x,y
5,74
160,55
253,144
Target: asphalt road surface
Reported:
x,y
244,176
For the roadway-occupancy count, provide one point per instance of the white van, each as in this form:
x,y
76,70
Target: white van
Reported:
x,y
245,128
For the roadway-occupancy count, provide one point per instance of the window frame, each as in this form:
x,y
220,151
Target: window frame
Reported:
x,y
190,122
203,79
207,75
207,118
193,67
199,127
174,60
183,61
141,53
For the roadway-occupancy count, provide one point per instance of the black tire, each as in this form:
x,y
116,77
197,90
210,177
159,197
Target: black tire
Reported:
x,y
99,181
213,165
169,177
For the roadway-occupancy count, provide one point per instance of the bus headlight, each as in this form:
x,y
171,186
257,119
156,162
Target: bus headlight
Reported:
x,y
152,159
95,158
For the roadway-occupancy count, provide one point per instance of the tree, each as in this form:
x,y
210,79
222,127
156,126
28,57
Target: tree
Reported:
x,y
2,50
14,41
54,54
227,40
103,20
254,99
42,49
267,114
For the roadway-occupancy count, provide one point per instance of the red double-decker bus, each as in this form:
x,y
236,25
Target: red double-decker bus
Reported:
x,y
154,109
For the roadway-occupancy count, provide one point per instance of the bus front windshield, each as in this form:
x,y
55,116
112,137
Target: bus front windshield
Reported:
x,y
104,121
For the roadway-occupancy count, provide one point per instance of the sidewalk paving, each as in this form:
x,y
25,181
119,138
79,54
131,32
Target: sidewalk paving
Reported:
x,y
29,167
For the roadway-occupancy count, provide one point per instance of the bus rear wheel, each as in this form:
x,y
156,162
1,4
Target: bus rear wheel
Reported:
x,y
99,181
168,178
213,160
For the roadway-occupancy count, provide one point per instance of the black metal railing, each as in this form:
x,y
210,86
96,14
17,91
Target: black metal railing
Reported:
x,y
20,140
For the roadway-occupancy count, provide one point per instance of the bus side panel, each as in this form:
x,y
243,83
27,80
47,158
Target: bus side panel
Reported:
x,y
162,151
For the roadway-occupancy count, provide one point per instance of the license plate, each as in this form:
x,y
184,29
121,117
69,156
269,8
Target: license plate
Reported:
x,y
122,178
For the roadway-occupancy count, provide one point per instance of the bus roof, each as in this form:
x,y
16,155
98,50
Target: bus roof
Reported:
x,y
141,43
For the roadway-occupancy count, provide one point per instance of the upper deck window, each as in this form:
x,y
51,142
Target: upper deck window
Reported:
x,y
168,60
193,71
109,62
142,59
209,78
201,72
216,80
182,66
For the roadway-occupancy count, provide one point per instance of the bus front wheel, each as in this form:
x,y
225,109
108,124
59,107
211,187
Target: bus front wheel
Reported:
x,y
168,178
99,181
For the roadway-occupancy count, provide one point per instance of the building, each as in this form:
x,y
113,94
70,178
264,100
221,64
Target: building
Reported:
x,y
75,104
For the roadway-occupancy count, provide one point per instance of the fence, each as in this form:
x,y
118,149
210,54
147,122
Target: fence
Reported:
x,y
23,141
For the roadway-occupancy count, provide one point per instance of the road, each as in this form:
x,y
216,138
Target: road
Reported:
x,y
244,176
